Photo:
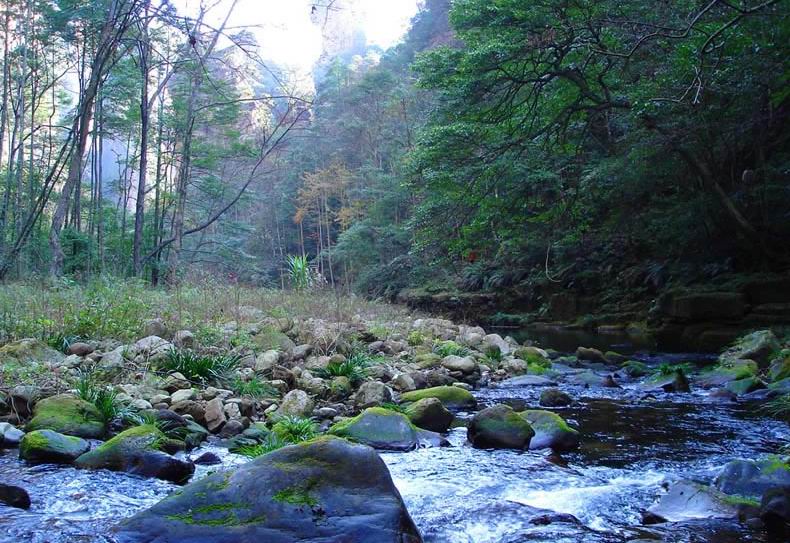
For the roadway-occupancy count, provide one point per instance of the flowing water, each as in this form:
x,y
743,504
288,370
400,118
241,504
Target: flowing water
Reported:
x,y
633,445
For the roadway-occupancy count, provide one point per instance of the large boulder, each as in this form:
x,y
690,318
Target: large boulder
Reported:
x,y
451,396
758,346
528,381
371,394
136,451
554,397
464,364
27,352
431,414
551,431
499,427
380,428
753,478
590,354
68,415
687,500
50,447
296,403
326,490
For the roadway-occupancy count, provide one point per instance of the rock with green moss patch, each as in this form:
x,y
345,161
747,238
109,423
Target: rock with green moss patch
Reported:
x,y
687,501
380,428
29,352
753,478
551,431
138,451
499,427
270,338
451,396
780,367
758,346
635,368
554,397
724,373
68,415
50,447
327,490
745,385
427,361
430,414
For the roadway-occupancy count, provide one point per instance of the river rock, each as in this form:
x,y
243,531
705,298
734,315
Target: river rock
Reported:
x,y
184,339
68,415
753,478
22,399
775,511
403,382
80,348
372,393
153,348
757,346
690,501
10,436
136,451
528,381
780,368
554,397
591,354
745,385
296,403
551,431
183,395
464,364
499,427
215,415
326,490
452,397
14,496
430,414
50,447
379,428
27,352
495,341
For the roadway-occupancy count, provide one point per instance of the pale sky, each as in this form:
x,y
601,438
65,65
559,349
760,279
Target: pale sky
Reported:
x,y
287,36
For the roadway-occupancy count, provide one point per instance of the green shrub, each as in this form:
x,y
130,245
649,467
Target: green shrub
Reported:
x,y
292,429
105,398
355,367
415,338
254,388
197,367
299,272
449,348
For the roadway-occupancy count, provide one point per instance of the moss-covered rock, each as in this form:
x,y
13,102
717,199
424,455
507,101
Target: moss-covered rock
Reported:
x,y
551,431
29,351
499,427
270,338
68,415
427,361
430,414
323,490
759,346
380,428
138,450
753,478
729,371
635,368
780,367
452,397
50,447
745,385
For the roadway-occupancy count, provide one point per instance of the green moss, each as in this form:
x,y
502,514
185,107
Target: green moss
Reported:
x,y
206,515
736,500
450,396
775,463
69,415
546,420
297,495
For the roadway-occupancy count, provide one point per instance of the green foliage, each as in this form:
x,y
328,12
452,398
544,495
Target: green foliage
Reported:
x,y
670,369
416,338
104,397
779,407
199,367
295,429
355,367
394,407
299,272
271,443
448,348
254,388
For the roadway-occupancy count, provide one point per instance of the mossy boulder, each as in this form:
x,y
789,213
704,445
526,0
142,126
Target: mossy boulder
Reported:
x,y
730,371
380,428
780,367
68,414
426,361
499,427
50,447
753,478
758,346
137,451
430,414
635,368
269,338
327,490
551,431
29,351
745,385
451,396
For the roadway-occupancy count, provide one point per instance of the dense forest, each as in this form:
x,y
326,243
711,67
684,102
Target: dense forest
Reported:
x,y
611,147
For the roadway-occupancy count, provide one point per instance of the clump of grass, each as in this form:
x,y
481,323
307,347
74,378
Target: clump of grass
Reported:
x,y
254,388
394,407
295,429
355,367
199,367
105,398
449,348
148,418
536,364
271,443
415,338
666,369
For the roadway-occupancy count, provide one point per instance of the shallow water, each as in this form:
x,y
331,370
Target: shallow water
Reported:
x,y
633,444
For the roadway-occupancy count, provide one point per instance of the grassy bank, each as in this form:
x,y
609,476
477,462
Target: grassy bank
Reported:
x,y
112,308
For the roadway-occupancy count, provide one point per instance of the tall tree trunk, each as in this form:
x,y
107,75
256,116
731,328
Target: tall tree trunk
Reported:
x,y
145,111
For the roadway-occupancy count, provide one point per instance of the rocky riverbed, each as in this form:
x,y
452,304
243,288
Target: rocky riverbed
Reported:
x,y
482,440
